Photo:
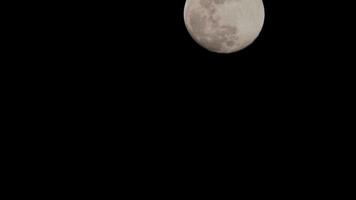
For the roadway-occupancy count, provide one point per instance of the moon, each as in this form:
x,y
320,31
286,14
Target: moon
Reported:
x,y
224,26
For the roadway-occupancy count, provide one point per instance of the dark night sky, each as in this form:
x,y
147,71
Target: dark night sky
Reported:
x,y
300,41
95,71
297,32
135,60
300,44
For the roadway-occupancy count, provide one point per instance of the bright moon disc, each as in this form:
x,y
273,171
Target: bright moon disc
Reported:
x,y
224,26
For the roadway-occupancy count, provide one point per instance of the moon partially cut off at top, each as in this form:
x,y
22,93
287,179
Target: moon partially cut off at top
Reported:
x,y
224,26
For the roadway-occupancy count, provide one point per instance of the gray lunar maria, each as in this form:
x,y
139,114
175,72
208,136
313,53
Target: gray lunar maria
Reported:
x,y
224,26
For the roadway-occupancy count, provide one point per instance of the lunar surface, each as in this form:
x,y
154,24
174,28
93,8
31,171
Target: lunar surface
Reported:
x,y
224,26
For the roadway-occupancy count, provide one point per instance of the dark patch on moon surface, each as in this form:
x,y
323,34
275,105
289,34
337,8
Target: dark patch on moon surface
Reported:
x,y
222,34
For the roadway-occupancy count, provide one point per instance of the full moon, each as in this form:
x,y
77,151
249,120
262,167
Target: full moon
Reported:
x,y
224,26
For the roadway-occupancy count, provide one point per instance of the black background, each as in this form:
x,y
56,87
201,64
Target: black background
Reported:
x,y
98,73
141,53
300,41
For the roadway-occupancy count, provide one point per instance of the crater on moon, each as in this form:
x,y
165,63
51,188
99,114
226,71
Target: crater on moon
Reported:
x,y
224,26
